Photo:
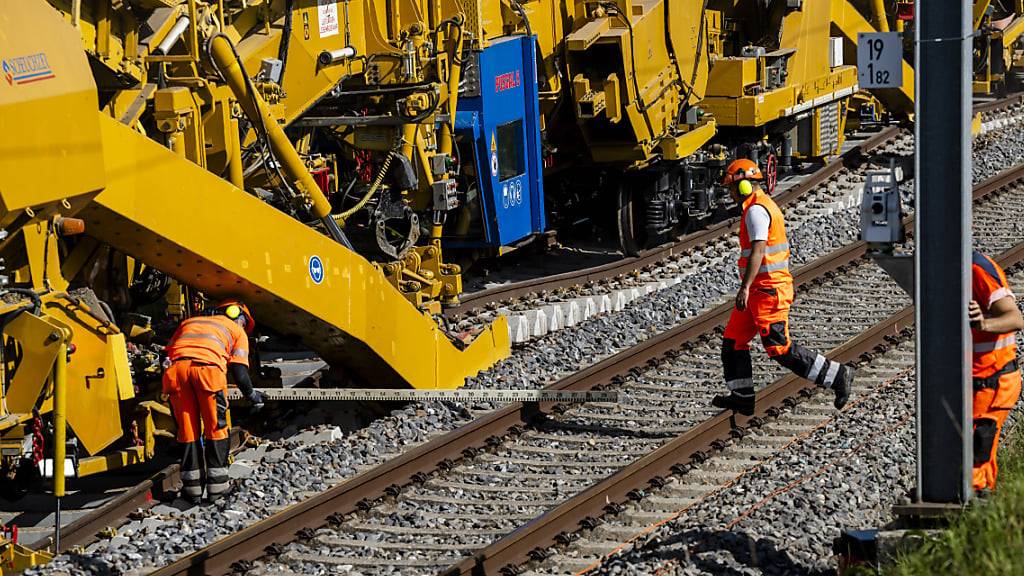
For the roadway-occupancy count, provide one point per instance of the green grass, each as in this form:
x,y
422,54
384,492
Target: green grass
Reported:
x,y
988,539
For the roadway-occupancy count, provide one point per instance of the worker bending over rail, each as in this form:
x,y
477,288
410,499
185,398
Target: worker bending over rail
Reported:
x,y
198,357
764,298
995,319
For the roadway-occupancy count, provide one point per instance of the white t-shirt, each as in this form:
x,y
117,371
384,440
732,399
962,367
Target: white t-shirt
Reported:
x,y
758,222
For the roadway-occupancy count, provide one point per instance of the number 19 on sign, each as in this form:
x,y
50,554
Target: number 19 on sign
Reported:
x,y
879,60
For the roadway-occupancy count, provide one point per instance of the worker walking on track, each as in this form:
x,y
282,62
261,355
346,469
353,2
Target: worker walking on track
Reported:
x,y
199,355
764,298
995,319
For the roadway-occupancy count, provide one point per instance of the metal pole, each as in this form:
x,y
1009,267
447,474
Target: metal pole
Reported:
x,y
60,407
943,250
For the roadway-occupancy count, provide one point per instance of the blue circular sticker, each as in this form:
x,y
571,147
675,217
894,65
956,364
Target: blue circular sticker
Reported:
x,y
316,269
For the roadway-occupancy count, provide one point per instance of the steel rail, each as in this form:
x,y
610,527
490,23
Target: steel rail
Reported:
x,y
87,528
477,300
530,540
112,514
997,105
413,466
652,256
269,535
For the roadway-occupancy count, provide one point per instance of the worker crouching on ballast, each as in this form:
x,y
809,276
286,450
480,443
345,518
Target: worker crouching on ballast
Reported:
x,y
764,298
198,357
995,319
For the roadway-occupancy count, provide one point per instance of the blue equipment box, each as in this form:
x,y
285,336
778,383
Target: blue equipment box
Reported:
x,y
503,123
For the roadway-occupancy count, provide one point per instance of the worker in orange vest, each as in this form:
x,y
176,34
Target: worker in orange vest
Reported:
x,y
995,319
763,300
198,358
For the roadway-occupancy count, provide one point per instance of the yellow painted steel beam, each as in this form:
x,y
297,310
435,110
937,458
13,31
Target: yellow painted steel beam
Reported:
x,y
93,465
1013,32
980,8
849,22
179,218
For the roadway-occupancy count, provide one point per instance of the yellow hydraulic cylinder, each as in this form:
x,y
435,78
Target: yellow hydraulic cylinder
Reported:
x,y
878,7
60,411
235,173
223,55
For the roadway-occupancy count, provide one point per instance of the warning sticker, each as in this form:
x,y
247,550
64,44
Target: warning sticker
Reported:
x,y
327,12
494,143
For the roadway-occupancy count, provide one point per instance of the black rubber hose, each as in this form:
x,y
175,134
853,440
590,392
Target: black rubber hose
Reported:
x,y
286,38
36,301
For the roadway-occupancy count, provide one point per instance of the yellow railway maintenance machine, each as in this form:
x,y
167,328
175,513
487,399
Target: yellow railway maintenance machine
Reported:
x,y
77,169
314,157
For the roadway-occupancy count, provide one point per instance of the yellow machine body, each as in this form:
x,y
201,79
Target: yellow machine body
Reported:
x,y
51,141
631,71
998,49
173,129
69,156
235,244
142,118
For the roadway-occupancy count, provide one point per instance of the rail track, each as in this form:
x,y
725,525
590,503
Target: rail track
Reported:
x,y
706,521
98,506
89,524
486,496
563,296
675,250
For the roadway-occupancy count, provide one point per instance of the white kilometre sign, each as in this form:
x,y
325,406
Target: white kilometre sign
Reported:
x,y
879,60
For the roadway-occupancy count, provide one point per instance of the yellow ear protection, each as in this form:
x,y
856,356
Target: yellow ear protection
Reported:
x,y
745,188
233,311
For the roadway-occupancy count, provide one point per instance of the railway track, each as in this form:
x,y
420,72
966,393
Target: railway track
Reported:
x,y
504,477
703,240
804,462
97,519
545,304
97,506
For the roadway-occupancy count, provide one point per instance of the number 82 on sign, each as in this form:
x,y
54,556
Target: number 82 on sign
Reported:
x,y
879,60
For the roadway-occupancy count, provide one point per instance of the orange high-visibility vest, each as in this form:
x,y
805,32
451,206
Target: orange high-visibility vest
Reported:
x,y
775,266
991,351
216,340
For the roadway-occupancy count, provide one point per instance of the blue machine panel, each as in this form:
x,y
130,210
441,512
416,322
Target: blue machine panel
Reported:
x,y
504,125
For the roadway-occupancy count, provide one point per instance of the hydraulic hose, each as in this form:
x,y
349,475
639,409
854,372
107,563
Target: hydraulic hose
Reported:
x,y
229,64
341,218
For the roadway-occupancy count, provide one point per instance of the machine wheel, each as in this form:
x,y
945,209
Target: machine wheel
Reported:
x,y
771,173
629,221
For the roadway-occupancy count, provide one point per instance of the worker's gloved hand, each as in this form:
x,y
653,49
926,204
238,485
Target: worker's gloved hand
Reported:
x,y
975,315
256,399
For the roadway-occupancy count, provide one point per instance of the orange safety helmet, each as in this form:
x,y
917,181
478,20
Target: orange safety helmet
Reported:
x,y
233,308
742,169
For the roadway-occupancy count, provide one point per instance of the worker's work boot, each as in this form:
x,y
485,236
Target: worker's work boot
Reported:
x,y
740,400
842,386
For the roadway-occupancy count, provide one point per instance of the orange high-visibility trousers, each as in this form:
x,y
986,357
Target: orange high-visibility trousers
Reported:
x,y
767,314
991,407
198,393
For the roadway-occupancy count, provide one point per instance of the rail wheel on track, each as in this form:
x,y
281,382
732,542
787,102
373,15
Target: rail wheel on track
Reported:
x,y
629,221
771,172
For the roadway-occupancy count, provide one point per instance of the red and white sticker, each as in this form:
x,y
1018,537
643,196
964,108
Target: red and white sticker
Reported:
x,y
327,14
